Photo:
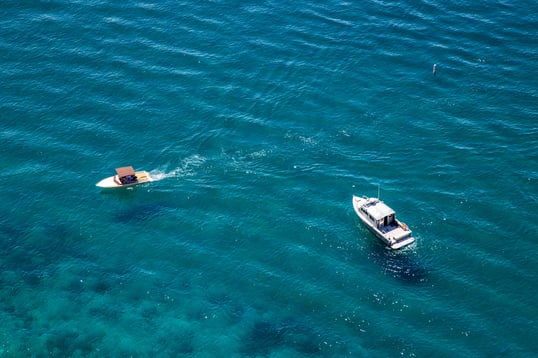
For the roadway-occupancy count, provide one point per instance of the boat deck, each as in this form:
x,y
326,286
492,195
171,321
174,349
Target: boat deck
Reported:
x,y
142,176
395,232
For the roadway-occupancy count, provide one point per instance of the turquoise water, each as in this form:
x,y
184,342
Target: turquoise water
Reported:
x,y
259,121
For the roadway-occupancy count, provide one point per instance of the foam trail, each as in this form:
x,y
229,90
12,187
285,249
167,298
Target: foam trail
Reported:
x,y
187,168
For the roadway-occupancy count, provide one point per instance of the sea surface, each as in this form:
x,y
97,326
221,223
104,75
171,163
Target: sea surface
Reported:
x,y
258,121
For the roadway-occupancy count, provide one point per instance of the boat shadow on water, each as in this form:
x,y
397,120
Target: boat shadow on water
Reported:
x,y
143,212
132,205
405,264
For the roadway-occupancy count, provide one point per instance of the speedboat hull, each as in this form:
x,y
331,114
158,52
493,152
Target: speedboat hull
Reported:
x,y
381,222
114,181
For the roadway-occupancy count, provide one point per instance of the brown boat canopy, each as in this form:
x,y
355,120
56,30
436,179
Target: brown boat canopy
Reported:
x,y
125,171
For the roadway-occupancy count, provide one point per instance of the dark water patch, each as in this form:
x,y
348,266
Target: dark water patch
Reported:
x,y
174,343
34,277
219,299
10,234
100,280
15,313
149,311
235,312
68,342
267,336
392,343
141,213
36,252
225,304
105,311
101,287
30,266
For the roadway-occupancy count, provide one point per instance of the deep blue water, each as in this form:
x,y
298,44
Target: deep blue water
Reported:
x,y
259,121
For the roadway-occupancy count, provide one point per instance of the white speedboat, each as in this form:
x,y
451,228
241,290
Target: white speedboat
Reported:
x,y
125,176
381,221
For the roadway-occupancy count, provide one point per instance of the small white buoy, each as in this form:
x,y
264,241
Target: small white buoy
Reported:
x,y
434,69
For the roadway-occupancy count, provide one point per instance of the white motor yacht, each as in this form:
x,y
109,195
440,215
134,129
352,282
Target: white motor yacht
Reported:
x,y
381,220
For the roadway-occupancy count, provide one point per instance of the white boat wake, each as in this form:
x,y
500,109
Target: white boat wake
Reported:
x,y
187,168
